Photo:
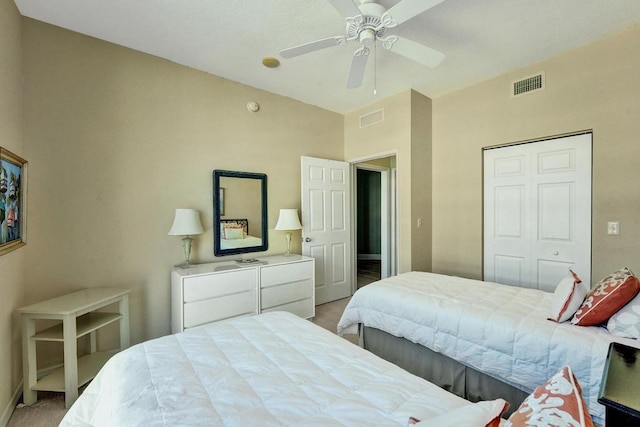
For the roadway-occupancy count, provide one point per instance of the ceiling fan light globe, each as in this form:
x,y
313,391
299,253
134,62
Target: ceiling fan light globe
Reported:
x,y
367,37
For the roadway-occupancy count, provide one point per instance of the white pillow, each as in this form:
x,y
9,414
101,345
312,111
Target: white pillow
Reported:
x,y
626,322
486,413
567,298
231,233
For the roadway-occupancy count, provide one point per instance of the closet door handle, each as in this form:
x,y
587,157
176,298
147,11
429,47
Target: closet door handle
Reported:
x,y
307,239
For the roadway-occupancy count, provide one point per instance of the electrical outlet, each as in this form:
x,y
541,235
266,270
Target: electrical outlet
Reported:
x,y
613,228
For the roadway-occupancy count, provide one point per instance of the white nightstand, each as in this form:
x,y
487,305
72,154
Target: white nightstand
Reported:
x,y
77,311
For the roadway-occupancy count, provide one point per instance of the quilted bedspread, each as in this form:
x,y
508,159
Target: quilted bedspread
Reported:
x,y
269,370
497,329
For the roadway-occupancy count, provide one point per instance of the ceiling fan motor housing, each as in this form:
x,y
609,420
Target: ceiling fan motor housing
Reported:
x,y
363,28
370,8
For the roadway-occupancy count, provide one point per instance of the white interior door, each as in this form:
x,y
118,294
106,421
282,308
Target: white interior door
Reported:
x,y
326,225
537,212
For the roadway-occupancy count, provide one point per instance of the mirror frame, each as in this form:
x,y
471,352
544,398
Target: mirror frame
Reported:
x,y
217,174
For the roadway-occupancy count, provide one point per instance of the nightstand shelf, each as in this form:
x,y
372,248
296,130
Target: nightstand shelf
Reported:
x,y
85,324
88,367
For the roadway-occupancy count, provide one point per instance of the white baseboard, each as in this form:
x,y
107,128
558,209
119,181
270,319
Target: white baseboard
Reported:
x,y
11,406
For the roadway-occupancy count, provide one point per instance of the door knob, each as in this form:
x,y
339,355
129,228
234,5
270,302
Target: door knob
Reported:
x,y
307,239
556,253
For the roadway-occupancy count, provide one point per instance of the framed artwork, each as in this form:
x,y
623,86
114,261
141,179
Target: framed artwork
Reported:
x,y
13,201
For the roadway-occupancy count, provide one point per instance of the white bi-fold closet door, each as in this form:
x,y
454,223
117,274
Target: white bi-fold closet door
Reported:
x,y
537,212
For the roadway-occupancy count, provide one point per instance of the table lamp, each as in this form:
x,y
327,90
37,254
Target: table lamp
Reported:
x,y
186,223
288,220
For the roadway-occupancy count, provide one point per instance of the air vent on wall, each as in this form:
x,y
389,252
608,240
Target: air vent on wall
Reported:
x,y
527,85
371,118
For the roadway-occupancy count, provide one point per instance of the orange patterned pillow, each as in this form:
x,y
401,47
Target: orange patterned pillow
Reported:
x,y
557,402
609,296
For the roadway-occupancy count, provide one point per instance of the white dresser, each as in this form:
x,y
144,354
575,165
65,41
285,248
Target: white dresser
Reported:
x,y
206,293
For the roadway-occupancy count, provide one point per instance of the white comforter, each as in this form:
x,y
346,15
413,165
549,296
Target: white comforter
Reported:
x,y
497,329
274,369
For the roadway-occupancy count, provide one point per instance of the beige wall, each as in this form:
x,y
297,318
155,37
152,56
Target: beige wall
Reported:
x,y
421,182
406,131
12,286
595,87
117,140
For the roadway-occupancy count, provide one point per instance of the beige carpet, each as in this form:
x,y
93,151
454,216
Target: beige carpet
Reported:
x,y
49,409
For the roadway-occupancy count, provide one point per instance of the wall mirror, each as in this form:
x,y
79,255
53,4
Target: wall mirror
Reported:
x,y
239,212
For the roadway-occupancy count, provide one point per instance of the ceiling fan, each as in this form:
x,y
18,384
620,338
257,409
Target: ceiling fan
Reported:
x,y
368,23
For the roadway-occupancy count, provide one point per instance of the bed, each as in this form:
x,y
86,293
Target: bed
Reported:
x,y
476,338
270,369
234,234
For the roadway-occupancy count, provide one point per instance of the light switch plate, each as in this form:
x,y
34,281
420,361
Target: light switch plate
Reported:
x,y
613,228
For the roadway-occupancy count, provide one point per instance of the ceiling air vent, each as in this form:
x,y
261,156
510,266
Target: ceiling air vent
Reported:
x,y
527,85
371,118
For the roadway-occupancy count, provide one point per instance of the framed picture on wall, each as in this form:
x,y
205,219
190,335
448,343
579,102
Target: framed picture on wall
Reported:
x,y
13,201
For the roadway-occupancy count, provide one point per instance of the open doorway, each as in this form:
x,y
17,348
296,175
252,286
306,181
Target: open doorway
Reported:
x,y
375,234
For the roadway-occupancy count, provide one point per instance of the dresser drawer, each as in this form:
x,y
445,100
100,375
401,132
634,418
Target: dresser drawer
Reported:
x,y
286,273
282,294
303,308
215,285
219,308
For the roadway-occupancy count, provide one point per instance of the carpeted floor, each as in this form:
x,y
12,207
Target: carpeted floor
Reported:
x,y
46,412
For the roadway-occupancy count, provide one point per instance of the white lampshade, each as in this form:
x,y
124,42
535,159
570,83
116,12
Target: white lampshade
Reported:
x,y
186,222
288,220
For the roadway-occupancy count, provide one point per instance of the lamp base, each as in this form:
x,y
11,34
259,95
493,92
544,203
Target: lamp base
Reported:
x,y
288,235
185,265
186,241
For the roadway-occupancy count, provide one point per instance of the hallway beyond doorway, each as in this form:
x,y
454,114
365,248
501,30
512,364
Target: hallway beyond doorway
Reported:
x,y
368,271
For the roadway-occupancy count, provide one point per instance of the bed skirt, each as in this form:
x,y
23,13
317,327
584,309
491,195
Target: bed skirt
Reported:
x,y
441,370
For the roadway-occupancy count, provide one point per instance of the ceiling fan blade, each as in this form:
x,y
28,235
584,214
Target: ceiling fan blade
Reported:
x,y
312,46
347,8
407,9
358,65
415,51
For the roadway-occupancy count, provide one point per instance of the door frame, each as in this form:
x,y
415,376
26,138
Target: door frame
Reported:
x,y
385,211
389,193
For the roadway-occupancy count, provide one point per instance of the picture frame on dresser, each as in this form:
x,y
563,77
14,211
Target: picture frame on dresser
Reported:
x,y
13,201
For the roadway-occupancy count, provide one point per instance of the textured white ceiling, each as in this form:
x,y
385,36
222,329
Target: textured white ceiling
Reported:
x,y
480,38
